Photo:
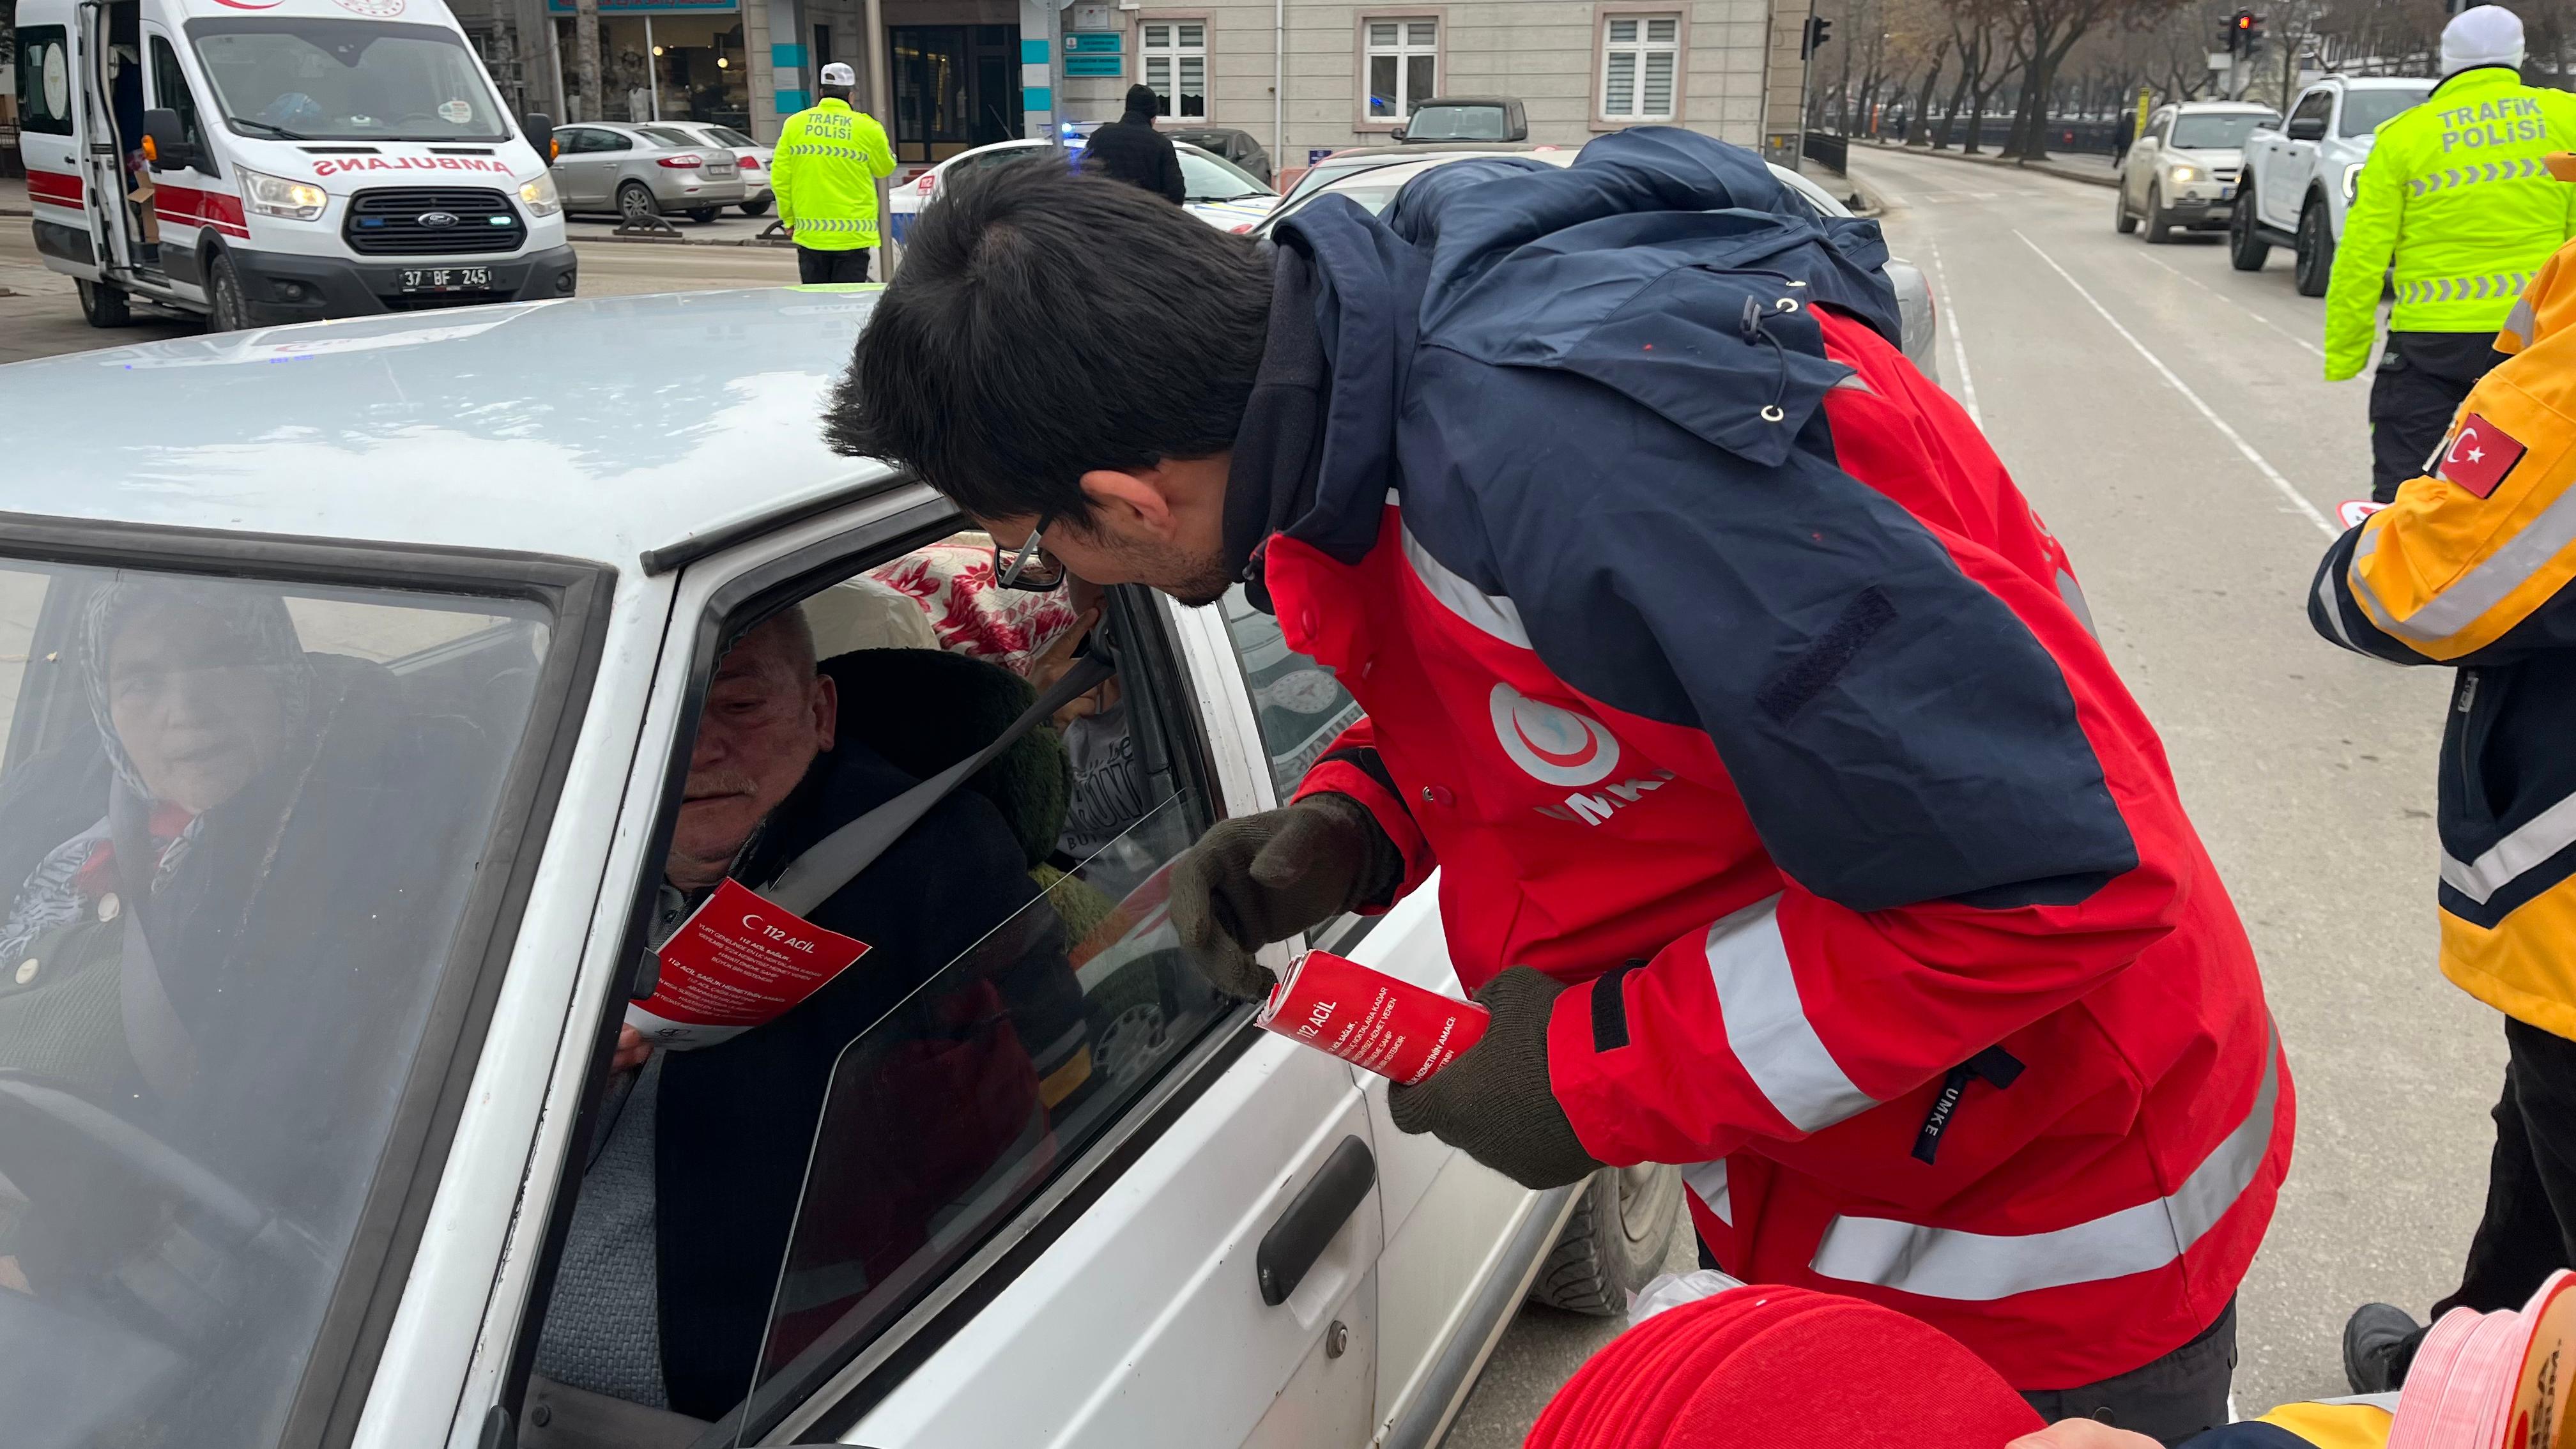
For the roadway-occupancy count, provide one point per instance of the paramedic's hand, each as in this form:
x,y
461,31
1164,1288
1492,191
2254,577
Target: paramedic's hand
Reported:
x,y
2082,1434
1494,1102
1265,877
632,1051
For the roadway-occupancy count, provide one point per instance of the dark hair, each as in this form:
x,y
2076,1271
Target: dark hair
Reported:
x,y
1141,101
836,93
1045,323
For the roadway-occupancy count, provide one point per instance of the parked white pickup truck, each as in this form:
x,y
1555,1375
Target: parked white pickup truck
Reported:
x,y
2299,176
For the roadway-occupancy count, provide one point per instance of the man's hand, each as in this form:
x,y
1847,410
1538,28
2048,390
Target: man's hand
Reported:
x,y
1494,1102
1264,878
632,1050
2082,1434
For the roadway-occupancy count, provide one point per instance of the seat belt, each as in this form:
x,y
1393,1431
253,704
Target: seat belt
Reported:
x,y
835,860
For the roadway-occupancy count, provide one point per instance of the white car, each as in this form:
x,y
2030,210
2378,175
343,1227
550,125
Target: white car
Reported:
x,y
419,616
752,157
1219,192
2300,174
2182,170
1372,178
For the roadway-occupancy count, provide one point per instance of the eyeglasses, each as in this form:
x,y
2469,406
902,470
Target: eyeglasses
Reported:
x,y
1029,566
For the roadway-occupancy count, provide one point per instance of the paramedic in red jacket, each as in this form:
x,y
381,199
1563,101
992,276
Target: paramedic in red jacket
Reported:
x,y
1786,812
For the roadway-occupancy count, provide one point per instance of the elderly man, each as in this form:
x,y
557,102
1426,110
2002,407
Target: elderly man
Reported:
x,y
691,1181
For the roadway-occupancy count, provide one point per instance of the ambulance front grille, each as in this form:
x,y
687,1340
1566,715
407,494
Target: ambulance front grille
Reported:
x,y
423,221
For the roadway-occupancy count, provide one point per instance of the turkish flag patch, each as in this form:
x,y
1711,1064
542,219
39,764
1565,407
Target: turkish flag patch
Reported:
x,y
2479,456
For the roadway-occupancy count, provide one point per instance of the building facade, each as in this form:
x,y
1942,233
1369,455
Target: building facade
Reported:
x,y
1303,77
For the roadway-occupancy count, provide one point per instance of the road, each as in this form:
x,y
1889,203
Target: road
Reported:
x,y
2167,417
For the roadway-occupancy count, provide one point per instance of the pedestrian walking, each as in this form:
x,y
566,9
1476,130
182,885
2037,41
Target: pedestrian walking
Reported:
x,y
1788,818
2469,568
824,174
2455,202
1129,149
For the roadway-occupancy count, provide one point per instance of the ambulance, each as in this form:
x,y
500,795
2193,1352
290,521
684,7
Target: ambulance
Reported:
x,y
270,161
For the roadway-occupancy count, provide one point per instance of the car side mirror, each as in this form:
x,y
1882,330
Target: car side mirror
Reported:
x,y
165,143
2307,128
1398,132
539,129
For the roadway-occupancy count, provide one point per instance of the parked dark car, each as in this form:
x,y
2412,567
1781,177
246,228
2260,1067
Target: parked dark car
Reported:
x,y
1465,118
1236,146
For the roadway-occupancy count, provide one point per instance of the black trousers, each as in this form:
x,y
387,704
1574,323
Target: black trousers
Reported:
x,y
813,267
2529,1230
2169,1400
2423,378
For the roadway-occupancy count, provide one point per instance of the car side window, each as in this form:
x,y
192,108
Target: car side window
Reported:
x,y
2314,106
45,79
611,141
170,91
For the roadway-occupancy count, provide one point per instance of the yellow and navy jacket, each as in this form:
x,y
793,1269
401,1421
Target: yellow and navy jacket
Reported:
x,y
824,174
2470,567
2327,1424
2456,203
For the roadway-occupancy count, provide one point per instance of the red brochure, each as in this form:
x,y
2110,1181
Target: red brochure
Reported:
x,y
737,962
1370,1019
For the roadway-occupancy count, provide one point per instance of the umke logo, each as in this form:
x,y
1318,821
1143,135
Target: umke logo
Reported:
x,y
1555,746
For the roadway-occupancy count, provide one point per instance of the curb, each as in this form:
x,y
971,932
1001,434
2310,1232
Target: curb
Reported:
x,y
672,241
2108,178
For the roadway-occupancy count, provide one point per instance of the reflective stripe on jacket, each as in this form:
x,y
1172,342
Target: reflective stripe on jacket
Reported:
x,y
824,175
1777,732
2470,567
2454,198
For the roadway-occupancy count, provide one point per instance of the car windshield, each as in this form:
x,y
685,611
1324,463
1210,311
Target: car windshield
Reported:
x,y
1210,178
1456,123
2219,130
1325,173
346,80
669,136
240,822
730,137
2365,111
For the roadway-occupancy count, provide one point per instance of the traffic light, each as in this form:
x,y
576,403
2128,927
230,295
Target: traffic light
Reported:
x,y
1819,30
2242,33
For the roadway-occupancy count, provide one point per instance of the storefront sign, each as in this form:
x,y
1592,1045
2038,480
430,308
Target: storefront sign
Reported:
x,y
649,7
1103,44
1094,65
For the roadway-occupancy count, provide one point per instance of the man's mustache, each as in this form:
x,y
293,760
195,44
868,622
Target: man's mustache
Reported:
x,y
710,784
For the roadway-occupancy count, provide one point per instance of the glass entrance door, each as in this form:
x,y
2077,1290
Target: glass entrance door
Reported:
x,y
956,87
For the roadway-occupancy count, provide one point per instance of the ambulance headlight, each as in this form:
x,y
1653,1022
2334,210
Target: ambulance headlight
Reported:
x,y
277,196
539,196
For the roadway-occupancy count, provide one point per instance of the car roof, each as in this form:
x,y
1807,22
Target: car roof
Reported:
x,y
597,428
2225,108
2380,82
1471,101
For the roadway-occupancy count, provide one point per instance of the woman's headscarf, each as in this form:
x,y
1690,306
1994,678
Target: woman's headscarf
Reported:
x,y
51,896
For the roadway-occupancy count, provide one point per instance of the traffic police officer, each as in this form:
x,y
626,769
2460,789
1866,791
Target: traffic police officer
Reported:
x,y
825,177
2455,194
2471,568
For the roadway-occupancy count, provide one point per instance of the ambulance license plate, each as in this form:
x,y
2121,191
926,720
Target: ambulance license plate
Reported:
x,y
446,279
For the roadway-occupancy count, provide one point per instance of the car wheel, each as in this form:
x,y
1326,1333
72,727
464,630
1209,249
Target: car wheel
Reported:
x,y
2159,222
635,202
2120,214
704,214
2316,249
103,305
2245,249
1615,1243
756,208
231,310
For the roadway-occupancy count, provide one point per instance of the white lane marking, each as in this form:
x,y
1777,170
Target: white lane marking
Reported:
x,y
1958,345
2239,306
2261,464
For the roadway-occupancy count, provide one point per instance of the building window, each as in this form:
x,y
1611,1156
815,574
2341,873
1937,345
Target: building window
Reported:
x,y
1403,66
1640,55
1175,55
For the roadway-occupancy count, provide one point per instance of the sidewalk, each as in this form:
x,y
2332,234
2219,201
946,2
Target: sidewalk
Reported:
x,y
2090,171
13,197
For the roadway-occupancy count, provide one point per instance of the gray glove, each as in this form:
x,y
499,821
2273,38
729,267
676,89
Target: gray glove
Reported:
x,y
1266,877
1495,1102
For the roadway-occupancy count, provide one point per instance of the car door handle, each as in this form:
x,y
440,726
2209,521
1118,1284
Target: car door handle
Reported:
x,y
1300,1235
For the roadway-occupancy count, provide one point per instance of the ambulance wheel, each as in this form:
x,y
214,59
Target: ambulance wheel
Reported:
x,y
229,312
2246,249
756,208
2159,220
1615,1243
2316,249
705,214
635,201
2122,219
103,305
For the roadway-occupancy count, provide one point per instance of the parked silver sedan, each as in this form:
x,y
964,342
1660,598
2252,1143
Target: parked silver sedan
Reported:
x,y
754,158
638,171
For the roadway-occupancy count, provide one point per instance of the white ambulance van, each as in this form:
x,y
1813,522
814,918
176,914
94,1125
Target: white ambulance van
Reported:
x,y
265,161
